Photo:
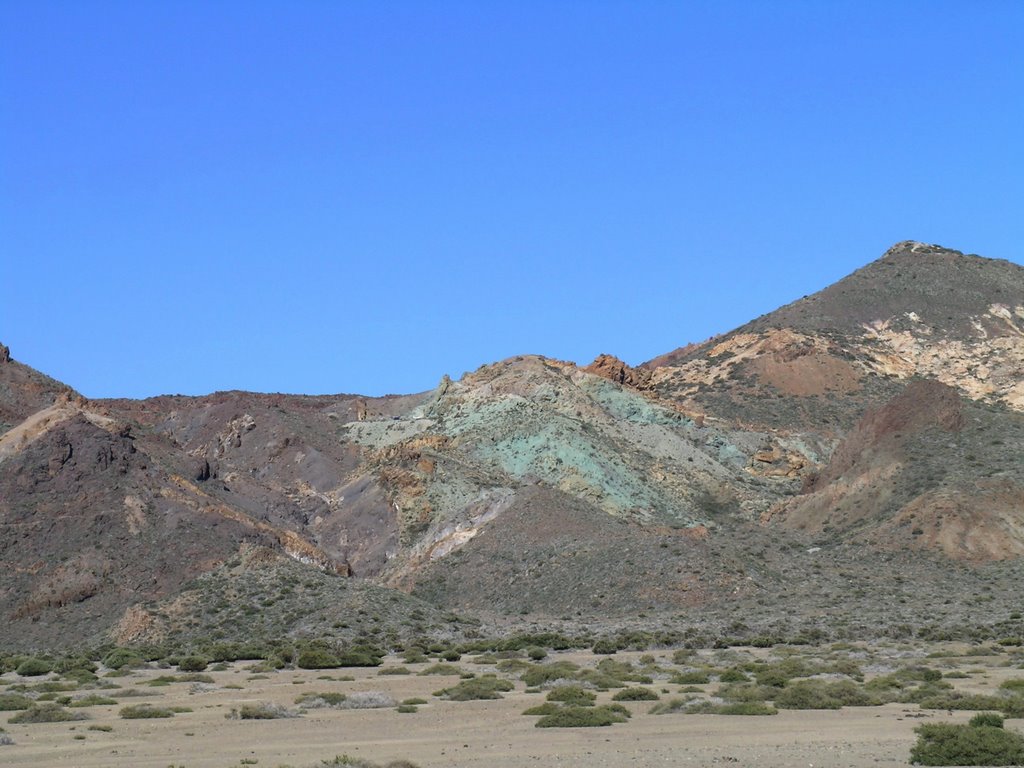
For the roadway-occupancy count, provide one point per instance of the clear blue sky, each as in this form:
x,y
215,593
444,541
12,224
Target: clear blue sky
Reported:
x,y
362,196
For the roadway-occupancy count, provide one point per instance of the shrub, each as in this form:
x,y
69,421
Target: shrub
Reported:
x,y
367,700
395,671
487,687
80,676
635,694
942,744
122,657
12,701
536,653
547,708
262,710
93,700
545,673
103,728
320,700
991,719
406,709
1013,686
46,713
316,658
441,669
733,675
736,708
572,694
691,677
145,712
358,659
581,717
672,705
414,655
604,646
192,664
34,668
451,655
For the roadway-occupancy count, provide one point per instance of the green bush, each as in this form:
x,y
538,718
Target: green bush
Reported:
x,y
144,712
260,711
573,695
486,687
691,677
536,653
635,694
441,669
316,658
733,675
192,664
736,708
358,659
312,700
93,700
991,719
546,673
120,658
942,744
604,647
34,668
581,717
672,705
46,713
547,708
13,701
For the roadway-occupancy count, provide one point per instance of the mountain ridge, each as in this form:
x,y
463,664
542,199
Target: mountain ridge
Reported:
x,y
862,418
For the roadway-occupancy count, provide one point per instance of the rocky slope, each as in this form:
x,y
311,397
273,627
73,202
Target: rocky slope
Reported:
x,y
880,417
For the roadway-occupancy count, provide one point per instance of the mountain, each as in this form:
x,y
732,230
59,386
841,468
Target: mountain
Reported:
x,y
857,447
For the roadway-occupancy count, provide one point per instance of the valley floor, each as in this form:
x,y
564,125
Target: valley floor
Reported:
x,y
491,733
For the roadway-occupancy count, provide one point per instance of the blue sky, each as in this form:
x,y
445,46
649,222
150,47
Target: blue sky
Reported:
x,y
362,196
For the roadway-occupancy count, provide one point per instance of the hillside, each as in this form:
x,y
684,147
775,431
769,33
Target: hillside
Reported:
x,y
799,463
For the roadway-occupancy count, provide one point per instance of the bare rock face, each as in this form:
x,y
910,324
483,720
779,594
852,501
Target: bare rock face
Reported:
x,y
5,354
613,369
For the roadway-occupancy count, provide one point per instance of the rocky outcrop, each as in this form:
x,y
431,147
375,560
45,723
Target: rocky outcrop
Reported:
x,y
613,369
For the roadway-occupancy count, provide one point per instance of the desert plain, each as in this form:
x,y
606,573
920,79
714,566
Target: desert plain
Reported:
x,y
308,722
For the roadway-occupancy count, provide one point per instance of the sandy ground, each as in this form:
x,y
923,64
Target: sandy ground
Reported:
x,y
444,733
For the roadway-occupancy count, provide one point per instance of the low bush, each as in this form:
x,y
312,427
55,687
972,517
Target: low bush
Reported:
x,y
320,700
12,701
34,668
486,687
539,674
46,713
735,708
192,664
316,658
604,647
672,705
145,712
441,669
262,710
991,719
547,708
691,677
93,700
943,744
573,695
582,717
635,694
120,658
367,700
